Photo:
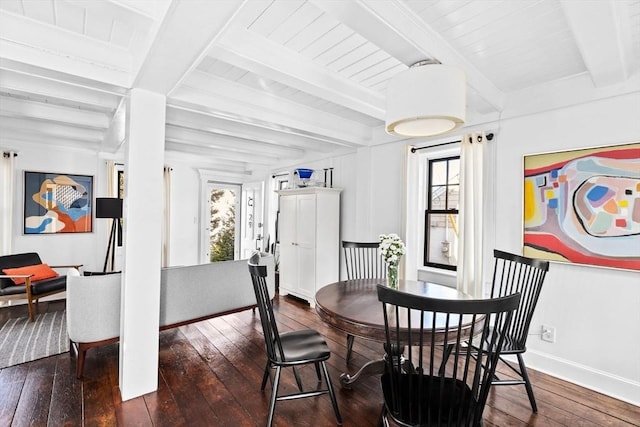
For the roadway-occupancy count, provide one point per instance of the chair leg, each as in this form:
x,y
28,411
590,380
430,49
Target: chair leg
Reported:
x,y
382,422
332,393
318,372
298,380
82,353
349,346
274,396
527,383
265,376
445,357
32,317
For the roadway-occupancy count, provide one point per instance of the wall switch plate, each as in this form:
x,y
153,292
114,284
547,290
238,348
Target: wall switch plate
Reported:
x,y
548,333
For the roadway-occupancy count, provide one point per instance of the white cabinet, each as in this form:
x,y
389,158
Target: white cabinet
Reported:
x,y
309,232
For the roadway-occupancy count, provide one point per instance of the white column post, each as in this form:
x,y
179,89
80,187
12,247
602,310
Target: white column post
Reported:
x,y
140,306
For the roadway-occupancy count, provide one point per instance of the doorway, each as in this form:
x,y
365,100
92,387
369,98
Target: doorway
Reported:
x,y
221,229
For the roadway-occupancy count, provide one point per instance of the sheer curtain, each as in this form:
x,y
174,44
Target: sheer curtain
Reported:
x,y
7,168
471,237
166,225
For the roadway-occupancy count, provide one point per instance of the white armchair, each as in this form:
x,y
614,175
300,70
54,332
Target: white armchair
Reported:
x,y
93,313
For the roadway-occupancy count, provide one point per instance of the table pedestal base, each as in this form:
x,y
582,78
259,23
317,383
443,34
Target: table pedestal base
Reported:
x,y
373,367
377,367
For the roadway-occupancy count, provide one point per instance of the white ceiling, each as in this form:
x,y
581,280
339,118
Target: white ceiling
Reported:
x,y
252,85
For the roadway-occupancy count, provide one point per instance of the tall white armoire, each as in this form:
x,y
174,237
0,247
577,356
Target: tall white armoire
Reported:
x,y
309,234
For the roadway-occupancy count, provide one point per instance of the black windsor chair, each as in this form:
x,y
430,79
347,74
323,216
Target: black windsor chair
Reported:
x,y
289,349
363,261
416,392
517,274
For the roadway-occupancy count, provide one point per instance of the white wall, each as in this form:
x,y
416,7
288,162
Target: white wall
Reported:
x,y
595,310
185,203
66,248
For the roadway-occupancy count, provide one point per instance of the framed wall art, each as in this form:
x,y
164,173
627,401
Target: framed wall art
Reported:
x,y
57,203
583,206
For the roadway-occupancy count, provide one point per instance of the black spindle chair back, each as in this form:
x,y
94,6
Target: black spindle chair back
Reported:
x,y
518,274
363,260
418,389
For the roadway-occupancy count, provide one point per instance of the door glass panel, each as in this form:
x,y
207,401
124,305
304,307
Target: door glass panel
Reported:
x,y
223,237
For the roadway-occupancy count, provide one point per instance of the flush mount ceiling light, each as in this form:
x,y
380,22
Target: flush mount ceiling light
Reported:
x,y
426,99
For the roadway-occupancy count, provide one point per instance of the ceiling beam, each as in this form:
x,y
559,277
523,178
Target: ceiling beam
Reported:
x,y
248,103
605,49
218,154
48,132
250,51
58,92
54,113
395,28
28,41
188,29
238,145
182,115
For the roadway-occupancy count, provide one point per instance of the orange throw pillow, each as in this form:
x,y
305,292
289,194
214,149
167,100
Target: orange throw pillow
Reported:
x,y
37,272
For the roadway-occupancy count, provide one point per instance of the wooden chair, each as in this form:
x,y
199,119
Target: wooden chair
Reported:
x,y
362,261
289,349
32,290
416,392
518,274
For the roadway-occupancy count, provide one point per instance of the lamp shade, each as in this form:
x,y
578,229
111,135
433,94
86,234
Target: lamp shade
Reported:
x,y
108,207
426,100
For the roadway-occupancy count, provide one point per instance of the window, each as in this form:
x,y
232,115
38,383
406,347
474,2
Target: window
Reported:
x,y
441,213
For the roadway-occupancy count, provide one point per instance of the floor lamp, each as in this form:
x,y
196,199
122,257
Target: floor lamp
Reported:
x,y
110,207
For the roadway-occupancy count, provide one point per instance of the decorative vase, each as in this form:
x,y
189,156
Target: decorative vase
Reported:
x,y
392,276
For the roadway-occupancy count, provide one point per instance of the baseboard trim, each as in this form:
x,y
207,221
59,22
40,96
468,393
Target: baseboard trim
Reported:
x,y
603,382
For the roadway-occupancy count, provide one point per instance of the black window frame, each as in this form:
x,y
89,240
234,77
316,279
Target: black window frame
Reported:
x,y
430,211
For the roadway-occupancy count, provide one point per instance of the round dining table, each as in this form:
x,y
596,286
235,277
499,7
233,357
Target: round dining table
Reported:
x,y
352,306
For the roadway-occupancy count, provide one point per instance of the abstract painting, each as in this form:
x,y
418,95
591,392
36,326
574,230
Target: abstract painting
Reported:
x,y
583,206
57,203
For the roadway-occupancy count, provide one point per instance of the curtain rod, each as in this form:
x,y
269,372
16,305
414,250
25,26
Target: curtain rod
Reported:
x,y
279,174
414,149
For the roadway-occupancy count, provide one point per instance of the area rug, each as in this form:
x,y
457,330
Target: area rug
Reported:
x,y
23,341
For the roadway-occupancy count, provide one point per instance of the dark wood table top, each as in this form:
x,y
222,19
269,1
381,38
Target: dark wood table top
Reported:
x,y
353,307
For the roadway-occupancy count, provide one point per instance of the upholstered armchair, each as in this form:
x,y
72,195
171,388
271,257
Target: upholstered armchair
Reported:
x,y
24,276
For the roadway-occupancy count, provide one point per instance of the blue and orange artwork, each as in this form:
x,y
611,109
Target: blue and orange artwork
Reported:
x,y
583,206
56,203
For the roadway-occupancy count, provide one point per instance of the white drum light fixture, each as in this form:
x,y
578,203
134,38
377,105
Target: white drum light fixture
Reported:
x,y
426,99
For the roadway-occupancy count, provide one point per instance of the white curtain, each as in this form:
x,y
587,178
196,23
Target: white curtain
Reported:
x,y
411,216
7,167
166,225
470,217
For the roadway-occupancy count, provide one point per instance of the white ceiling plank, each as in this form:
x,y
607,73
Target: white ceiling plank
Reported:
x,y
250,51
274,16
394,27
35,110
177,52
600,45
268,107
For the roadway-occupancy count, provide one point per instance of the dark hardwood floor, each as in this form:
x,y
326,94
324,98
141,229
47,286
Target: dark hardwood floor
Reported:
x,y
210,374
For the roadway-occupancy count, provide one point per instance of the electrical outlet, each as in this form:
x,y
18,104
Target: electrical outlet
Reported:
x,y
548,333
